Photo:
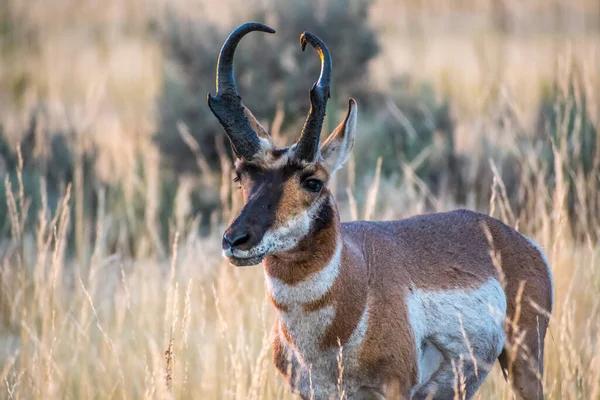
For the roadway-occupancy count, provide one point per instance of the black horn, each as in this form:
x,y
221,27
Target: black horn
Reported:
x,y
308,144
227,104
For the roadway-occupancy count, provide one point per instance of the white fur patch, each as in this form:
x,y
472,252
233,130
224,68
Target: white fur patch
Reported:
x,y
312,288
306,330
543,255
436,318
266,159
352,347
320,368
430,359
265,144
337,148
273,163
292,152
284,237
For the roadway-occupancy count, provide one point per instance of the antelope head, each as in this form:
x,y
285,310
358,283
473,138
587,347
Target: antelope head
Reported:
x,y
284,189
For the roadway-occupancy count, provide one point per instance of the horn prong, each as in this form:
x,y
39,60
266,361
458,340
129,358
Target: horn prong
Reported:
x,y
308,144
227,104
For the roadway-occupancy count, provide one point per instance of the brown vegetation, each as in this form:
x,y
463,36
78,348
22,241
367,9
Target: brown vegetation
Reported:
x,y
112,283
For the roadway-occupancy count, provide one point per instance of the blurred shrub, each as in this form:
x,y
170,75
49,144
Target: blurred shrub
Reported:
x,y
413,131
31,189
46,172
188,76
54,167
270,69
565,122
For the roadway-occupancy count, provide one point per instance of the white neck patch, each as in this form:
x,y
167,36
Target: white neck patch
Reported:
x,y
310,289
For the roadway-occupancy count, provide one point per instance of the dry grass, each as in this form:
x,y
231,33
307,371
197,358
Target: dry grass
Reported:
x,y
194,327
187,325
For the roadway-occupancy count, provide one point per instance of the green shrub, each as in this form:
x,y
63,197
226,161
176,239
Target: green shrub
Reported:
x,y
564,121
270,69
32,193
410,127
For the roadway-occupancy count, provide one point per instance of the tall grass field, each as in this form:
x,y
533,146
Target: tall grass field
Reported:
x,y
112,283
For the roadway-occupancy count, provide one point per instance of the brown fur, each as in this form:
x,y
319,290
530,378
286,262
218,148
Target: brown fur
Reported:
x,y
381,264
277,305
282,355
444,251
435,252
318,304
285,333
294,199
349,296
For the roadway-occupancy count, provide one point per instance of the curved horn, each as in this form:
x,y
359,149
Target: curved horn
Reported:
x,y
227,104
308,144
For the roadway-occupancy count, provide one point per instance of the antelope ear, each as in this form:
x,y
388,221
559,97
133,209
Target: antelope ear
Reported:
x,y
338,146
258,128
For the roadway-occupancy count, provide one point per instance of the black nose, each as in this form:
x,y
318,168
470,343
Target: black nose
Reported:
x,y
233,239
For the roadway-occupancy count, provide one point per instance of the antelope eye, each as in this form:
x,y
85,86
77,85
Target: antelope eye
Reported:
x,y
312,185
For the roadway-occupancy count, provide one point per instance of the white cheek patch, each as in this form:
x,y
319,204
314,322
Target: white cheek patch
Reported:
x,y
314,287
284,237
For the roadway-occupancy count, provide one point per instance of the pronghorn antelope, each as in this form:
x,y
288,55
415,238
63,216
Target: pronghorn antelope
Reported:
x,y
419,307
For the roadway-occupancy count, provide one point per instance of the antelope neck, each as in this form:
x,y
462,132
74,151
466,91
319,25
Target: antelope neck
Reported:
x,y
307,272
322,280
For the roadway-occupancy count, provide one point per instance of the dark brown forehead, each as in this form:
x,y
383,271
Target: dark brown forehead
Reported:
x,y
284,171
280,166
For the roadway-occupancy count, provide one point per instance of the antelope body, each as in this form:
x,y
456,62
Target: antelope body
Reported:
x,y
415,308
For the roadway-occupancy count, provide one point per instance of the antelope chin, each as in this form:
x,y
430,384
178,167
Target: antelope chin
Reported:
x,y
244,262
